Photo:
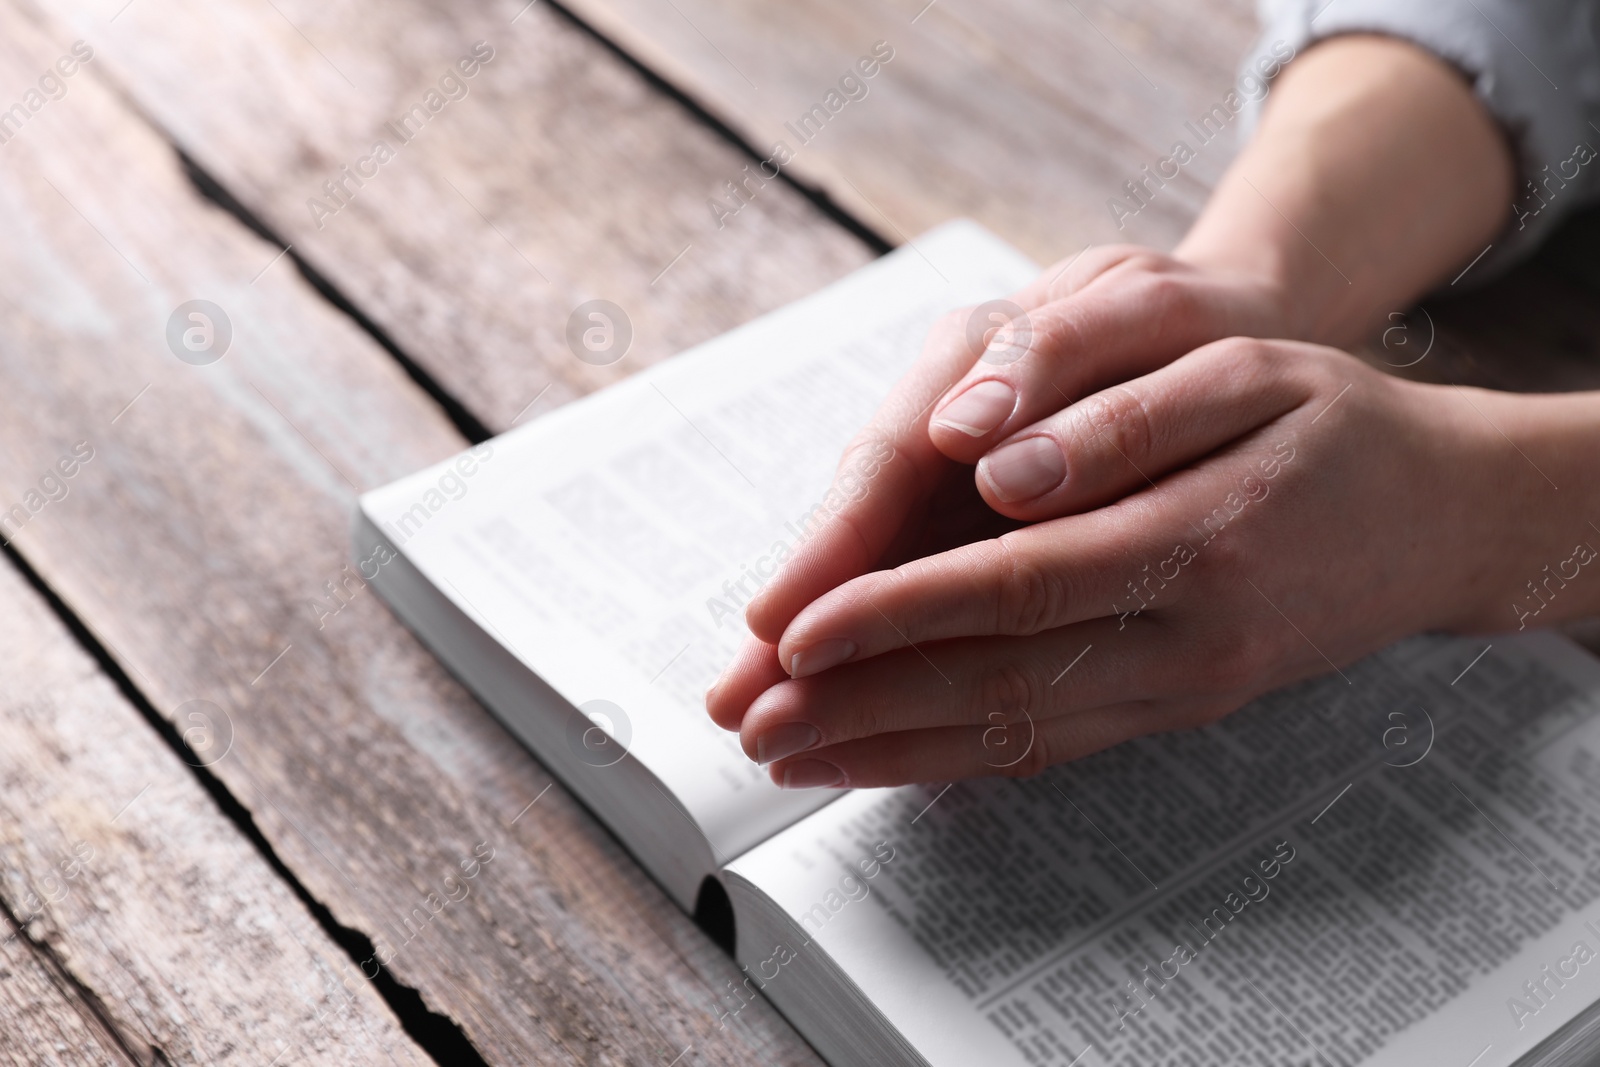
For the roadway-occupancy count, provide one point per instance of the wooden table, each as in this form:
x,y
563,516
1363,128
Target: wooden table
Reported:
x,y
227,775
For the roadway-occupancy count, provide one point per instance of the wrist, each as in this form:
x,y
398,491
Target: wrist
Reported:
x,y
1249,253
1339,197
1244,233
1272,220
1529,502
1255,267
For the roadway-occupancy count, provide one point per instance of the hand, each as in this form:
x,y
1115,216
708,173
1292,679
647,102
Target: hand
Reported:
x,y
1280,510
1111,314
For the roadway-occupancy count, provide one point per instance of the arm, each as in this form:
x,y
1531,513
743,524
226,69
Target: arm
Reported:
x,y
1375,174
1199,501
1375,150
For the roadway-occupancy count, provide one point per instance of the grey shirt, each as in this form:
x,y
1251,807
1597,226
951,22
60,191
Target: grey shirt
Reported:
x,y
1535,64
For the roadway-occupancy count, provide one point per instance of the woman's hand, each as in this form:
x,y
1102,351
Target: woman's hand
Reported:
x,y
1277,510
1107,315
1336,203
1371,524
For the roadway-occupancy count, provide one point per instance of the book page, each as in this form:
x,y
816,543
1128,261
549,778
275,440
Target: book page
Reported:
x,y
1398,869
612,544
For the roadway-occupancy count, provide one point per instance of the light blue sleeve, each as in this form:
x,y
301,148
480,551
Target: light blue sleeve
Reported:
x,y
1535,64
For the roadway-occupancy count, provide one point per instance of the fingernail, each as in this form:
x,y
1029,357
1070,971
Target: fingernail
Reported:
x,y
820,656
711,691
980,409
1024,470
811,774
786,739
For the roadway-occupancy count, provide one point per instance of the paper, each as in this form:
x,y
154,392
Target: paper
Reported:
x,y
612,544
1393,870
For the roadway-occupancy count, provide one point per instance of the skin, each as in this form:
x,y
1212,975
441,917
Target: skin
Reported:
x,y
1233,513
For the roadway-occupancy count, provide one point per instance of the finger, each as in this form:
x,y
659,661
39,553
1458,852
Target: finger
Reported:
x,y
975,681
1059,280
1066,276
952,753
1127,321
1122,439
754,670
892,466
1052,574
1134,556
882,487
877,511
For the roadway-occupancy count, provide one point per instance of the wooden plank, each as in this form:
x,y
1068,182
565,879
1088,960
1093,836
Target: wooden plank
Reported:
x,y
198,545
1024,115
148,910
561,176
46,1025
1028,116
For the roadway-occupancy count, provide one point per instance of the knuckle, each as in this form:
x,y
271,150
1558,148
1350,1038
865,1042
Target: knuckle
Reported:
x,y
1242,352
1035,760
1135,260
1171,293
1056,333
1074,274
1119,417
1250,358
1006,688
865,718
1329,372
868,450
865,459
1028,597
1228,545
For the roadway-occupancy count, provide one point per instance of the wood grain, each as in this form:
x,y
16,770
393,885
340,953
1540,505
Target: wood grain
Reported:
x,y
154,917
1029,116
1024,115
200,540
46,1025
562,176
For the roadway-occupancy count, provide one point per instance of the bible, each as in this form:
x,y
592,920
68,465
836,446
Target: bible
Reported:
x,y
1398,863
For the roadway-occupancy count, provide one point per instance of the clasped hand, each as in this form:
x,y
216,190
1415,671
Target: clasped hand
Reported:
x,y
1145,521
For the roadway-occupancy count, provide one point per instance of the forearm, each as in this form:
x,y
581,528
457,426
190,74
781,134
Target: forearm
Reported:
x,y
1374,174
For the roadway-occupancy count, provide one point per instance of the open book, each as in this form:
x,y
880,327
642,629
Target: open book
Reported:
x,y
1399,864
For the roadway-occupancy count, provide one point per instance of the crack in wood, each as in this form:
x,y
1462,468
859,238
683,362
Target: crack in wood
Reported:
x,y
90,1008
440,1036
215,193
816,195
